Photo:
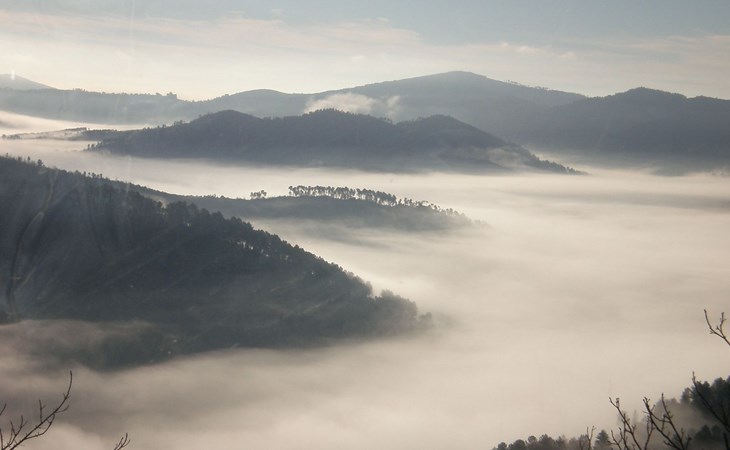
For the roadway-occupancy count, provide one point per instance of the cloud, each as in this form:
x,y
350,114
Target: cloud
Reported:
x,y
357,104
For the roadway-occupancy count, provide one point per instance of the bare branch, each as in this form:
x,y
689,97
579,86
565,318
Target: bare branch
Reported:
x,y
123,442
586,437
628,437
718,330
18,434
664,424
24,431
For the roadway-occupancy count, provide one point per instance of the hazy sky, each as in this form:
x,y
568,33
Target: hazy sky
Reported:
x,y
204,49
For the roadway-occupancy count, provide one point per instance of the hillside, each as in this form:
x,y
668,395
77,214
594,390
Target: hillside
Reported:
x,y
77,248
640,124
330,138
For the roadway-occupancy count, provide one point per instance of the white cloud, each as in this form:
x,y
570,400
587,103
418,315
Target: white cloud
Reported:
x,y
356,103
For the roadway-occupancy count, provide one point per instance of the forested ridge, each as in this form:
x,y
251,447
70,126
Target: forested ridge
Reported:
x,y
352,208
79,247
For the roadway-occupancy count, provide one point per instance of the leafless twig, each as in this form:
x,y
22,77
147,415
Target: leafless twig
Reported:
x,y
627,437
24,430
123,442
717,330
663,423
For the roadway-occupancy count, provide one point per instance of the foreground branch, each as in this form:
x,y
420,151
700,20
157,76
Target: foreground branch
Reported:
x,y
628,437
24,430
718,330
663,423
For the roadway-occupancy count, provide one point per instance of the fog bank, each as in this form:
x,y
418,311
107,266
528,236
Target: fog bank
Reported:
x,y
581,288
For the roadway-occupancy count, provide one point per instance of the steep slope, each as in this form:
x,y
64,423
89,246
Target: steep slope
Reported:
x,y
77,248
330,138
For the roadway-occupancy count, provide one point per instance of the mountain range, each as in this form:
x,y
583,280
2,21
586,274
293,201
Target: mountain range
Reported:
x,y
640,126
475,99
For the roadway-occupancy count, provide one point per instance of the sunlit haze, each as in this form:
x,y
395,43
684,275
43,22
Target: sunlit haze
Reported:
x,y
203,50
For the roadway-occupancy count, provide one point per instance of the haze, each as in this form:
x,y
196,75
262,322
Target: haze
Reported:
x,y
579,288
227,46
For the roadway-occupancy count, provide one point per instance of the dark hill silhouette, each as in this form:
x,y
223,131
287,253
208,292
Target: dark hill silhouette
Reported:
x,y
640,124
79,248
330,138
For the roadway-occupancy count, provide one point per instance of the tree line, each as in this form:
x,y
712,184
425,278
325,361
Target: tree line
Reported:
x,y
377,197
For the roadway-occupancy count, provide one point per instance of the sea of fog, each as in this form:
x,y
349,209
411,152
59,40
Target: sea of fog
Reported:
x,y
579,288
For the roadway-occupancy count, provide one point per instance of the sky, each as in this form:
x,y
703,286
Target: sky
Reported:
x,y
201,50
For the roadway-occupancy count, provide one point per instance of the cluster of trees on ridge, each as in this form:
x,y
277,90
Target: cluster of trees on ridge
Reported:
x,y
369,195
339,215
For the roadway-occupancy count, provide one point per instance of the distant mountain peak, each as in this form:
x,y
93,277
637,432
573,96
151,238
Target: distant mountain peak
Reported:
x,y
649,92
12,81
459,75
643,97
